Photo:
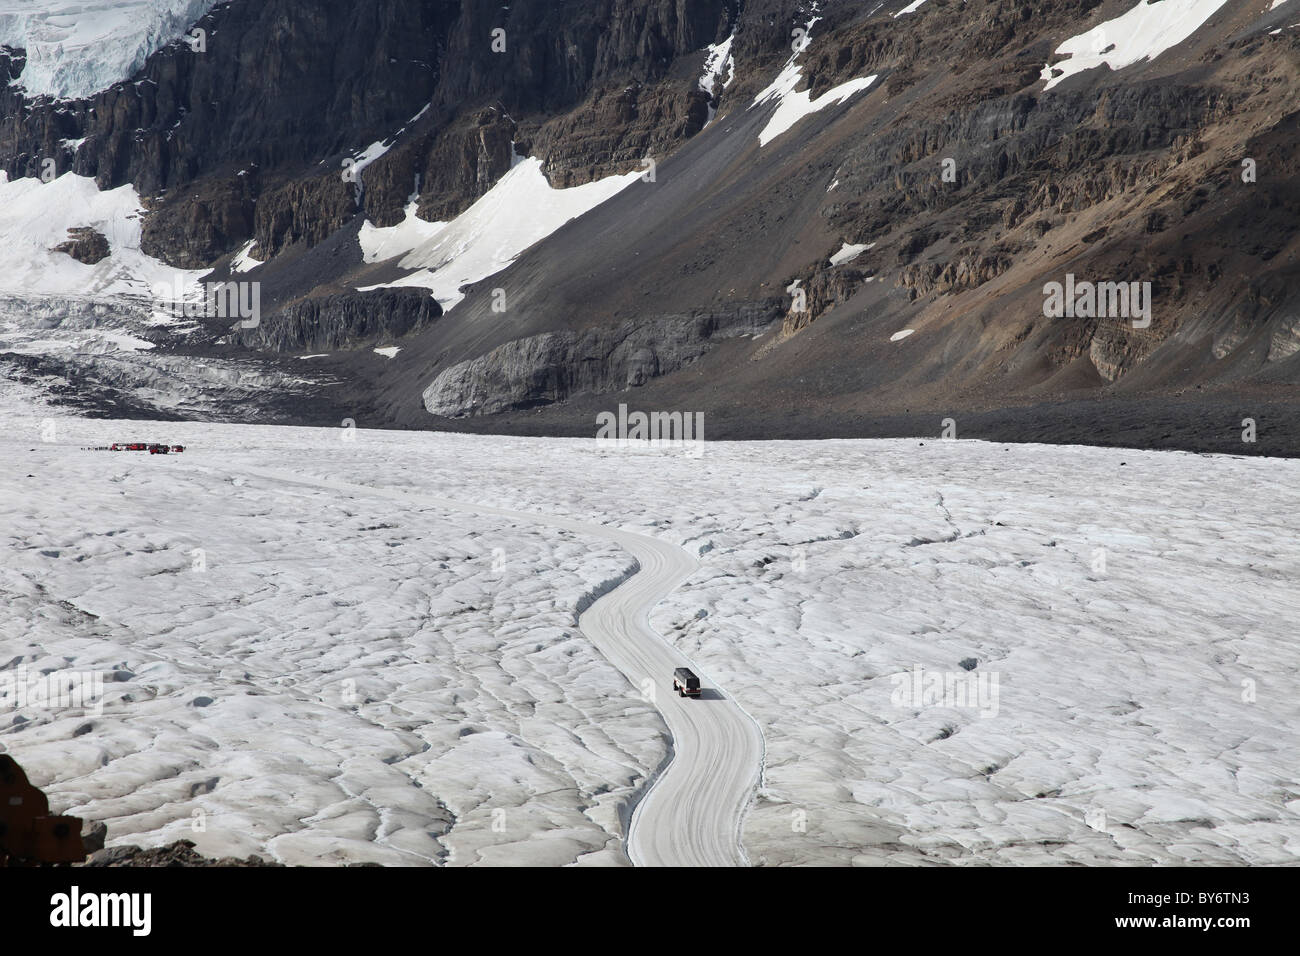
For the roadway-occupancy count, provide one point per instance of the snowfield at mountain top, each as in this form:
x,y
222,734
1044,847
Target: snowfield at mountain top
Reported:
x,y
324,677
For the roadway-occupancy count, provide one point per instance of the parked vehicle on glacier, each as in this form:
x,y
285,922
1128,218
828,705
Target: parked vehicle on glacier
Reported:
x,y
153,448
686,683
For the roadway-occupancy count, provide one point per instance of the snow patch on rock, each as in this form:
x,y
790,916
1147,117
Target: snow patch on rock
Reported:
x,y
1143,33
244,261
850,251
491,234
793,105
384,242
719,60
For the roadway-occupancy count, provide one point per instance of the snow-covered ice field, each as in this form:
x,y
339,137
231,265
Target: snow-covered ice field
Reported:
x,y
348,679
315,679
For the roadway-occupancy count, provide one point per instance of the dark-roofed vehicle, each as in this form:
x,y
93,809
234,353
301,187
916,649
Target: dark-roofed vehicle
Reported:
x,y
686,683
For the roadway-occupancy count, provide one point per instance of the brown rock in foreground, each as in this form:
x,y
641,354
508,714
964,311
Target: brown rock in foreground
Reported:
x,y
180,853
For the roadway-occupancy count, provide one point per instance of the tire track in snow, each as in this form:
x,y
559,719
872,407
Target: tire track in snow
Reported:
x,y
690,812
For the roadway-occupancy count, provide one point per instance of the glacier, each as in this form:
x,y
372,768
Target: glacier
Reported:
x,y
75,49
324,677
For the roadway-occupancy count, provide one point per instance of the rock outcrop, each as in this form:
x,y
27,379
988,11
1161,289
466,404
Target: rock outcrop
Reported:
x,y
180,853
85,245
548,368
344,321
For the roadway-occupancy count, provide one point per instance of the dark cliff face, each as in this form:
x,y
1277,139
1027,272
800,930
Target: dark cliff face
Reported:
x,y
281,84
284,85
343,321
557,53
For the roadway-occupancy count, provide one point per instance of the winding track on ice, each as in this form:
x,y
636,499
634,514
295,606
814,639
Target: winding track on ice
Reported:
x,y
692,811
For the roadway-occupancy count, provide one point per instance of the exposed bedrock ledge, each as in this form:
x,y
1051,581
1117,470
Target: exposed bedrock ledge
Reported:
x,y
550,367
86,245
344,321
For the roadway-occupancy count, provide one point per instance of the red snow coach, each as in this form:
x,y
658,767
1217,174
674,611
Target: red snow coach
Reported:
x,y
153,448
686,683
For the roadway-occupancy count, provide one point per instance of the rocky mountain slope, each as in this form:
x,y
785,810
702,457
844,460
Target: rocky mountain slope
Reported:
x,y
849,217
